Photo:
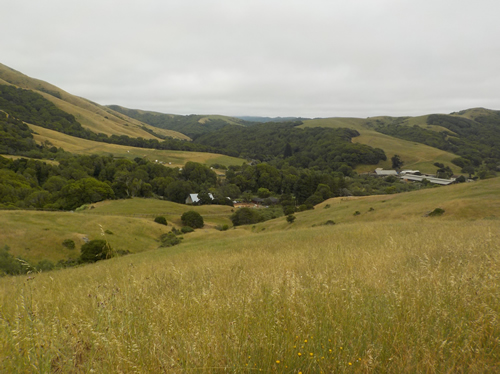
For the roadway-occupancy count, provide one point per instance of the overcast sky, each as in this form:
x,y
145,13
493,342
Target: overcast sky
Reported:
x,y
311,58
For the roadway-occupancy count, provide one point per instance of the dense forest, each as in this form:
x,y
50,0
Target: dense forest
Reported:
x,y
318,147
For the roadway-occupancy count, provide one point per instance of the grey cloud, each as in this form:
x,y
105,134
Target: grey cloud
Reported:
x,y
315,58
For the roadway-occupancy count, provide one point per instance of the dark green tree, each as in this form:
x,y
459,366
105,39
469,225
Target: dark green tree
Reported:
x,y
192,219
396,162
161,220
288,151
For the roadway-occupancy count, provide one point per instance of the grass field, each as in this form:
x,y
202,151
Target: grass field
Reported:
x,y
36,236
415,155
392,296
88,147
388,290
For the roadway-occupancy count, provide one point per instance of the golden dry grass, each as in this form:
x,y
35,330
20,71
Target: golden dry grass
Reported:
x,y
375,297
88,147
36,235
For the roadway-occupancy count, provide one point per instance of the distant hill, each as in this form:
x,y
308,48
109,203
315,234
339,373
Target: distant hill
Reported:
x,y
192,125
468,138
271,119
472,134
92,116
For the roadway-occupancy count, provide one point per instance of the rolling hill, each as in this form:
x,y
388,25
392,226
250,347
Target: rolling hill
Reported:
x,y
387,290
88,147
357,284
192,125
92,116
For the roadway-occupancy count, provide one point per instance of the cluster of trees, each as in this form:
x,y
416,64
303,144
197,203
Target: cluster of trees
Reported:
x,y
16,138
78,180
305,186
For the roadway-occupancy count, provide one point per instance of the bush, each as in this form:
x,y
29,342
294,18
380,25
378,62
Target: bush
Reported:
x,y
8,263
161,220
95,250
329,222
68,243
357,213
169,240
436,212
290,218
245,216
45,265
192,219
186,229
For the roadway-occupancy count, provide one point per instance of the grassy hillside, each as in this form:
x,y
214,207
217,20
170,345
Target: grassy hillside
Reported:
x,y
468,201
192,125
415,155
391,292
36,236
88,147
95,117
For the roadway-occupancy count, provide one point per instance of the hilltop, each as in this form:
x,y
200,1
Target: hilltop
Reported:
x,y
192,125
92,116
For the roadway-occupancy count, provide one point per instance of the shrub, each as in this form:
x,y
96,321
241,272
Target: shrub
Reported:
x,y
68,243
186,229
357,213
8,263
95,250
436,212
45,265
290,218
245,216
175,231
109,232
192,219
161,220
327,206
329,222
222,227
169,240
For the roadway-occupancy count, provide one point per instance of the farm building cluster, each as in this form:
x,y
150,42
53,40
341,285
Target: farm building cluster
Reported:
x,y
413,176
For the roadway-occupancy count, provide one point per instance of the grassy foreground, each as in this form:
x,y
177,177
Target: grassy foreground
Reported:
x,y
394,296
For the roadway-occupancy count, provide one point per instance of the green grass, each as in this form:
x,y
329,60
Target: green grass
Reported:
x,y
89,147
